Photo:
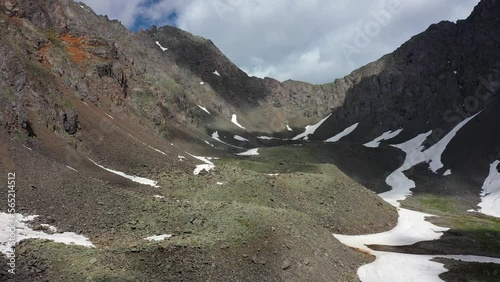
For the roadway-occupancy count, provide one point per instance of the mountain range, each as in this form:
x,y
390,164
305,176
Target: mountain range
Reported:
x,y
161,160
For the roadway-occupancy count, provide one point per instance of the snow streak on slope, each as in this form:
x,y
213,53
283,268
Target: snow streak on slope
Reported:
x,y
215,136
234,119
239,138
415,155
158,238
23,232
434,153
386,136
204,109
252,152
490,192
161,47
216,73
150,147
310,129
343,134
397,180
134,178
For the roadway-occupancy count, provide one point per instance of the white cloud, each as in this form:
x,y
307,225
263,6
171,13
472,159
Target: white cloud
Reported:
x,y
292,39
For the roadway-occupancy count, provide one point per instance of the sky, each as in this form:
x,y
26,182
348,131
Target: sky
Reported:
x,y
315,41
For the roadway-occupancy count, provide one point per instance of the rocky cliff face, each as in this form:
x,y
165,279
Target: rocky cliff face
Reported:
x,y
432,73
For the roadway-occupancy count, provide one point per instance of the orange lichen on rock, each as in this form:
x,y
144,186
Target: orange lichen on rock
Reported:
x,y
76,47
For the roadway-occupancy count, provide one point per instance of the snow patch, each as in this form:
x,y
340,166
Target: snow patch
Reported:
x,y
239,138
447,173
216,73
490,192
181,158
24,232
267,138
204,109
234,119
405,267
109,116
161,47
27,147
159,197
310,129
289,128
215,136
158,238
252,152
411,228
202,83
343,134
207,166
220,183
386,136
133,178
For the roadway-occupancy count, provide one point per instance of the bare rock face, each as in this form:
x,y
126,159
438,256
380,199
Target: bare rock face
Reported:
x,y
70,122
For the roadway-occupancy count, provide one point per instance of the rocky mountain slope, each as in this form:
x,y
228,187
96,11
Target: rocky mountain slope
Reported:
x,y
85,102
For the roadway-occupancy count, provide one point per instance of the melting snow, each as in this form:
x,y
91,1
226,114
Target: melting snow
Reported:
x,y
267,138
215,136
234,119
239,138
161,47
203,108
209,143
152,148
412,226
216,73
386,136
310,129
71,168
158,238
23,232
490,192
252,152
398,181
207,166
405,267
134,178
434,153
342,134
